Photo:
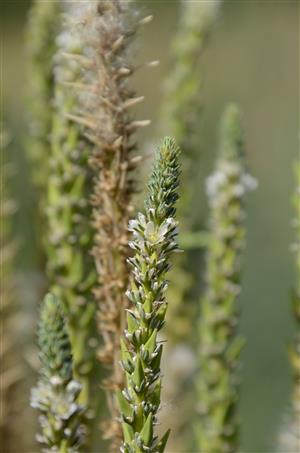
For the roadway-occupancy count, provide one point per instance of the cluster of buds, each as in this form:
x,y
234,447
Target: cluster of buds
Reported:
x,y
154,239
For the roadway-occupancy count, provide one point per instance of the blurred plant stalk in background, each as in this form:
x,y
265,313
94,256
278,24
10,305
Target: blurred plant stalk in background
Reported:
x,y
70,267
289,438
217,426
41,32
295,353
12,369
181,115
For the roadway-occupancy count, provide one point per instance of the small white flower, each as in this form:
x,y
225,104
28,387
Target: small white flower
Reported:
x,y
238,190
214,182
74,387
56,380
65,40
182,361
150,232
133,225
163,229
142,219
250,183
294,247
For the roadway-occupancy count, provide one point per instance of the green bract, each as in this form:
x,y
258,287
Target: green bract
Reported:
x,y
154,239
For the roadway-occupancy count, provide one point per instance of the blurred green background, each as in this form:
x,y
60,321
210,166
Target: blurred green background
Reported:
x,y
252,58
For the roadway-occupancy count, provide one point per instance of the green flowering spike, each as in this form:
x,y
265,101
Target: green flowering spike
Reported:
x,y
70,266
219,348
154,239
57,393
42,29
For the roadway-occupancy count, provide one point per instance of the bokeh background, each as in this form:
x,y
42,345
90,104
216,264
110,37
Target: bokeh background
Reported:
x,y
252,58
